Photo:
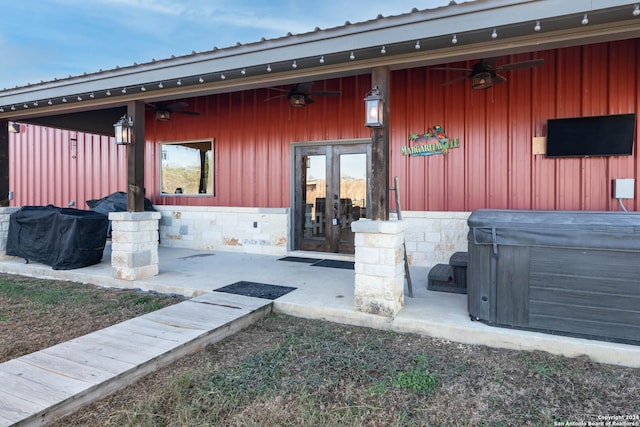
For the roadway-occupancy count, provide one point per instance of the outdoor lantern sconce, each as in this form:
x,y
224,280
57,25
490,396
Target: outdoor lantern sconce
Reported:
x,y
124,130
374,109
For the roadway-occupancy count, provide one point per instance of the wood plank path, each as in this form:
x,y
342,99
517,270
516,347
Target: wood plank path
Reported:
x,y
43,386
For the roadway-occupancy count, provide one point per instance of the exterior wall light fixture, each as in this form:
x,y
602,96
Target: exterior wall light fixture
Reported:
x,y
124,130
374,109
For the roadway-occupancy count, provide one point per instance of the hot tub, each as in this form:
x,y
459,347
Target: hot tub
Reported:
x,y
564,272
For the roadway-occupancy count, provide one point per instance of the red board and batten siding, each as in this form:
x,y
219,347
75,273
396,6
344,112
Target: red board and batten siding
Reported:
x,y
253,139
493,168
53,166
496,127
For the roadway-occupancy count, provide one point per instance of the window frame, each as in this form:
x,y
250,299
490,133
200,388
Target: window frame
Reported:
x,y
212,169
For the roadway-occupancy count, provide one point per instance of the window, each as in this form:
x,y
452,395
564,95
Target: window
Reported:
x,y
187,168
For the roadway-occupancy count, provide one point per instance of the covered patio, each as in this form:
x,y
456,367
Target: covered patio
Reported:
x,y
328,294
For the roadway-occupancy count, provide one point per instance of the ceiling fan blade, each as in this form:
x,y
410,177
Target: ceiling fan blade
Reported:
x,y
499,79
326,93
275,97
302,87
279,90
450,69
450,82
175,106
523,64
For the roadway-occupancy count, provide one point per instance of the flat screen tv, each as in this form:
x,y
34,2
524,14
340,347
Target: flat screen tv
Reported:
x,y
591,136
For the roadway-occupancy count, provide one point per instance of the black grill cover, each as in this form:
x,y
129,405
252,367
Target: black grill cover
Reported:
x,y
63,238
115,202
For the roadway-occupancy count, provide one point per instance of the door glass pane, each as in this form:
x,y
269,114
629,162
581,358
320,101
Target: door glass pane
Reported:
x,y
353,192
315,185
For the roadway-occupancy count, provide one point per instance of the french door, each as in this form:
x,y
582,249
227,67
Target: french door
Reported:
x,y
331,191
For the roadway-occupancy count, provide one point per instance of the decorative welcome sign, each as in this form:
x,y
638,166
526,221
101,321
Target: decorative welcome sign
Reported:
x,y
434,141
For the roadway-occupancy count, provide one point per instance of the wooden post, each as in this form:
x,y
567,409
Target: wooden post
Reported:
x,y
380,152
135,159
4,163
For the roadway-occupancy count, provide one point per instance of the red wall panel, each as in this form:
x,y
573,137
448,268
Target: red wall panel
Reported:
x,y
253,136
494,167
53,166
496,127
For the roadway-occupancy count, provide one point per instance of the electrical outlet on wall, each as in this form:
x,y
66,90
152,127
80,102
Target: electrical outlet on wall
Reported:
x,y
623,188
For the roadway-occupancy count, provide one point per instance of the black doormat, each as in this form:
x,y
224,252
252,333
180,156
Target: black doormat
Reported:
x,y
257,290
299,259
348,265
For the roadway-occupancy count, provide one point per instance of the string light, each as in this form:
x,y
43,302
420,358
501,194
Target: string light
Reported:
x,y
92,95
64,99
417,45
179,82
79,98
454,39
35,103
160,85
243,71
222,76
124,90
585,19
295,64
383,50
636,10
13,108
108,92
537,26
142,88
322,59
25,106
49,102
268,68
494,35
1,109
352,56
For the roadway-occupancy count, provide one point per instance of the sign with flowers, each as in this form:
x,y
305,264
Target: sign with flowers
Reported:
x,y
434,141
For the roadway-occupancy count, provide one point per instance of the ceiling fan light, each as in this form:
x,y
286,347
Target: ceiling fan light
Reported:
x,y
297,100
482,80
163,115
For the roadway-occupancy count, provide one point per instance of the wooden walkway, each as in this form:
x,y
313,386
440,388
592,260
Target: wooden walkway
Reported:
x,y
43,386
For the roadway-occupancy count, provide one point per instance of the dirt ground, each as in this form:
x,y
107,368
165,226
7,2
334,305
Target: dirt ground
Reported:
x,y
289,371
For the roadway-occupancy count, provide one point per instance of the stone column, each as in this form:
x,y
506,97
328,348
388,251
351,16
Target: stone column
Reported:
x,y
5,216
134,244
379,267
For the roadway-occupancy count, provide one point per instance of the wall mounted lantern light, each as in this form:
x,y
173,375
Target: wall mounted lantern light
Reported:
x,y
124,130
374,109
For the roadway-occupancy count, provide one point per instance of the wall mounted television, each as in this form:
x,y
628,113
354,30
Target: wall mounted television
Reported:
x,y
591,136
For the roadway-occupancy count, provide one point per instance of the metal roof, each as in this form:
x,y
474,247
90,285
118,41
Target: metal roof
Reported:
x,y
418,38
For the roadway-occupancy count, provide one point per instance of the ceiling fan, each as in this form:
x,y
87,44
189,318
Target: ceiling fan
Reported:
x,y
484,73
163,111
300,94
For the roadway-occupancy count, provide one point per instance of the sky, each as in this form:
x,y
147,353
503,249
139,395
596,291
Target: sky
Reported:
x,y
47,39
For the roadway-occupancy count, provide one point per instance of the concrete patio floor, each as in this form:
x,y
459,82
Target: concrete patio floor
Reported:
x,y
327,294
